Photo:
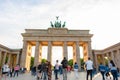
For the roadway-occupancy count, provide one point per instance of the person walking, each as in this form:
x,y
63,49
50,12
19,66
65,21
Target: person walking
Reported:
x,y
102,70
76,67
5,70
89,68
16,70
56,69
113,69
64,65
49,71
45,70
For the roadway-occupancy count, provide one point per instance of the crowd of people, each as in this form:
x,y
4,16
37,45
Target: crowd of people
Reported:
x,y
43,71
6,70
106,70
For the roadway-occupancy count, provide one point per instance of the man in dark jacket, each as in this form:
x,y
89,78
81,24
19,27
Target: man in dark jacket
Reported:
x,y
64,66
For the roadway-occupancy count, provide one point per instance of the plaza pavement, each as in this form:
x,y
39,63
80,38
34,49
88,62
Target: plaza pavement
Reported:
x,y
82,76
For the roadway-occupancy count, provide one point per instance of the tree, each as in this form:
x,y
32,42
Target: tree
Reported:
x,y
43,60
70,62
32,61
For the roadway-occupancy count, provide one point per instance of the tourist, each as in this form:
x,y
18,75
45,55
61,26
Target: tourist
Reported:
x,y
16,70
5,70
45,70
11,71
89,68
102,70
107,73
56,69
49,71
64,66
39,71
33,71
76,67
114,71
69,68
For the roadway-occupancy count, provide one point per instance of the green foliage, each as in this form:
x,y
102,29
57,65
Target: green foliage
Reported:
x,y
6,60
82,61
106,61
32,61
70,62
43,60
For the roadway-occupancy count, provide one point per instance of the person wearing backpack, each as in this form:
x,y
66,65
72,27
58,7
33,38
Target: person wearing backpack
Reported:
x,y
64,66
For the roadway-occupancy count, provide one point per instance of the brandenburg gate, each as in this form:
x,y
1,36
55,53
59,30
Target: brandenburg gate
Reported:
x,y
57,35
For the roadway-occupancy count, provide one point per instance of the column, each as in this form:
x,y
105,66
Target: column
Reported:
x,y
118,57
89,50
65,51
78,54
18,55
103,59
0,57
4,57
96,61
74,55
38,55
24,54
49,54
112,55
107,55
9,58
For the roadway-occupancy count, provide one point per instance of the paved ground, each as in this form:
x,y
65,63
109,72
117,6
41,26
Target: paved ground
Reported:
x,y
82,76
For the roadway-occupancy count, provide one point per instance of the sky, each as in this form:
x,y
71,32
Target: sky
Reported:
x,y
101,17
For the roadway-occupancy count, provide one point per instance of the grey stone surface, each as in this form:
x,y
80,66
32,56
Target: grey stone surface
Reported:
x,y
82,76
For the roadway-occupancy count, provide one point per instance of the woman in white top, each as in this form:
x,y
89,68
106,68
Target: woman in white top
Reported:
x,y
56,70
5,70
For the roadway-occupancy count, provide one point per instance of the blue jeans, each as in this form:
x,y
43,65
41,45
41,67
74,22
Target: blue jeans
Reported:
x,y
44,75
56,73
114,74
103,74
16,72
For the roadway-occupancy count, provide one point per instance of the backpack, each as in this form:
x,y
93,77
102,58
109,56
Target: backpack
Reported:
x,y
65,64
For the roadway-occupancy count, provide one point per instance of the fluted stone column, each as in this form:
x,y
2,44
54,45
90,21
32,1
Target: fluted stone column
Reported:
x,y
9,58
18,55
0,57
78,54
24,54
4,58
38,53
65,51
89,50
103,59
107,56
74,53
112,55
49,53
118,56
96,61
